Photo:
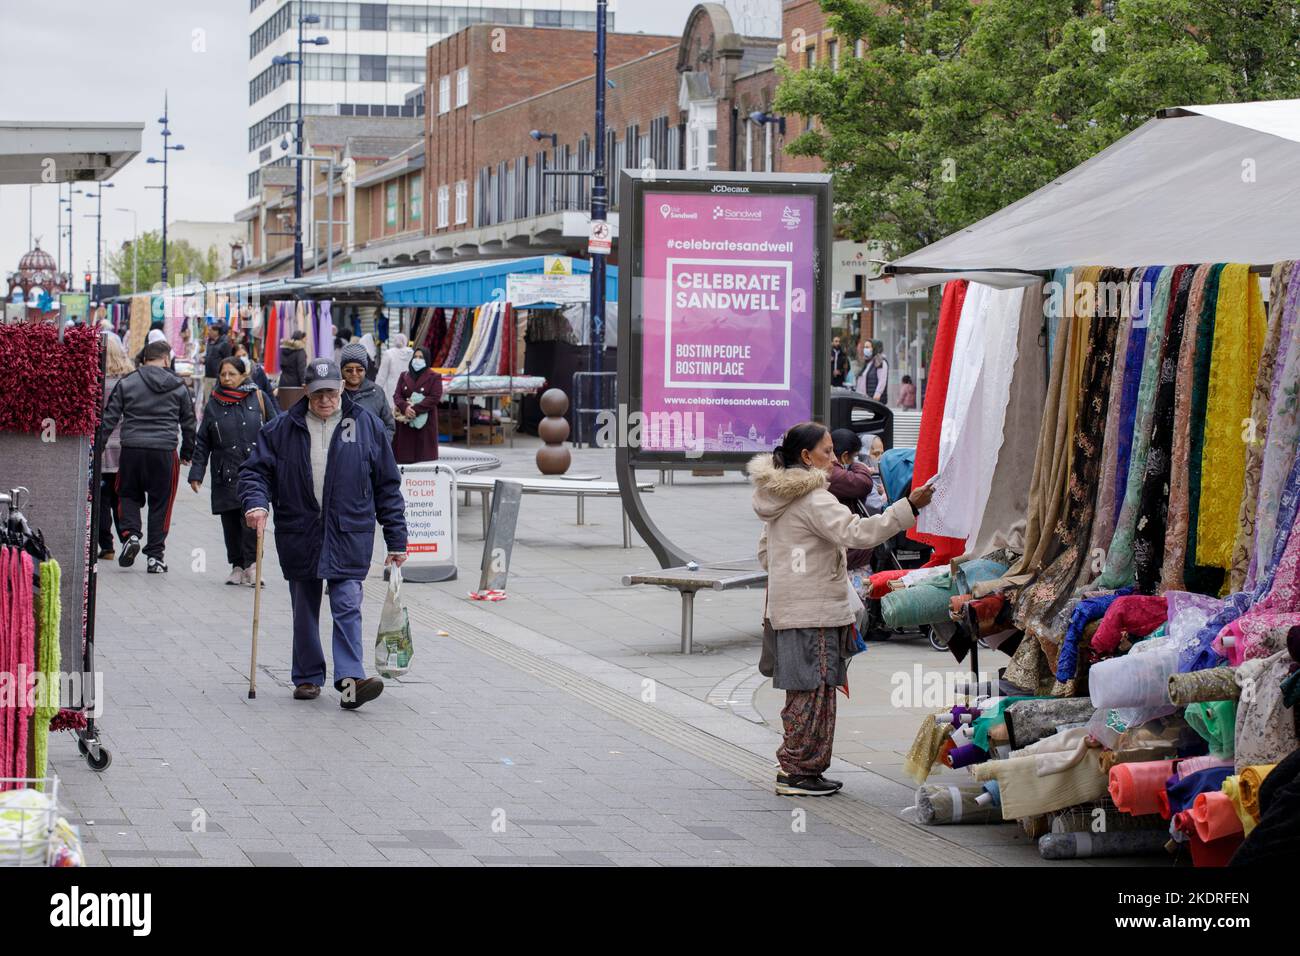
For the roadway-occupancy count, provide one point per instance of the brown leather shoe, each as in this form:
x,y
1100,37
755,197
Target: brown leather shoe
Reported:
x,y
306,692
357,692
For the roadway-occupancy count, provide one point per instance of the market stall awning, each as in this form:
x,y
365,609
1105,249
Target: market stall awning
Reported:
x,y
1214,183
468,284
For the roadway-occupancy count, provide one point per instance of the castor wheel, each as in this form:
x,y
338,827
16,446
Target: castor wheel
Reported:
x,y
100,765
82,748
936,642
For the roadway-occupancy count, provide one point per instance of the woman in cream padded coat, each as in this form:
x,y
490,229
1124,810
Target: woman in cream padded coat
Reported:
x,y
805,532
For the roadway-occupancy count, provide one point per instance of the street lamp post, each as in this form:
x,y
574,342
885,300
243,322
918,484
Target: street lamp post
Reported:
x,y
98,216
599,206
167,147
72,265
135,243
297,196
330,222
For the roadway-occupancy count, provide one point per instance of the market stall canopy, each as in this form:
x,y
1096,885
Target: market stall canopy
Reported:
x,y
1213,183
468,284
41,152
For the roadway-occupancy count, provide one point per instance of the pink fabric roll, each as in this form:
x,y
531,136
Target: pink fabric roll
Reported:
x,y
1136,787
1134,615
1190,765
1214,816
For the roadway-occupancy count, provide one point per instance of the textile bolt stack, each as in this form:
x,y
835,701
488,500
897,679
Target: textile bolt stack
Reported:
x,y
1144,559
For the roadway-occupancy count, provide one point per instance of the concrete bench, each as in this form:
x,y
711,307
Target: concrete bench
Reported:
x,y
581,487
717,576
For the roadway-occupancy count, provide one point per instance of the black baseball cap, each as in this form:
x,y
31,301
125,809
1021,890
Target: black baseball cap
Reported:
x,y
323,373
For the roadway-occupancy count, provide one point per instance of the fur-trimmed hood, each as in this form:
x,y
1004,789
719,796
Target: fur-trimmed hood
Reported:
x,y
293,343
775,489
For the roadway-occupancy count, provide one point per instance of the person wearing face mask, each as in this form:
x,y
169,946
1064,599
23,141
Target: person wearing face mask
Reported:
x,y
326,468
802,548
363,391
874,380
415,408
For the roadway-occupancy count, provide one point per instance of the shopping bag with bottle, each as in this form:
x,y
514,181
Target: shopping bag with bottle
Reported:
x,y
393,646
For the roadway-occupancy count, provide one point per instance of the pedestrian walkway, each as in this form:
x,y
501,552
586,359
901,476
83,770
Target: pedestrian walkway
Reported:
x,y
558,727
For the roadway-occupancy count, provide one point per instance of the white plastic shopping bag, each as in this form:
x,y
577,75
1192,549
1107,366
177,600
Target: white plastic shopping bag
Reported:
x,y
393,646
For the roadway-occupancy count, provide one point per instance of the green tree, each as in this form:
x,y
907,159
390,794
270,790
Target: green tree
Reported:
x,y
957,109
184,263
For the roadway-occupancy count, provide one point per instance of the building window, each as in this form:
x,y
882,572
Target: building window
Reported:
x,y
859,47
374,16
444,206
462,202
390,204
833,53
444,94
374,69
702,136
810,56
416,197
547,18
462,87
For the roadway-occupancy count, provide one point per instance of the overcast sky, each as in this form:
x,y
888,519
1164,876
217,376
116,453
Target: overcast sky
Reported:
x,y
111,60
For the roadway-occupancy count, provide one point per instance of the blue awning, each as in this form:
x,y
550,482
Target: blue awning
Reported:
x,y
465,285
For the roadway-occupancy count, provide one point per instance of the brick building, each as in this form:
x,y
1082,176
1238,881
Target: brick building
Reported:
x,y
504,104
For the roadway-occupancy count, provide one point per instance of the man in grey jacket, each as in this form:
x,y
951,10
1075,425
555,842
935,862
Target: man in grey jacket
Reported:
x,y
151,404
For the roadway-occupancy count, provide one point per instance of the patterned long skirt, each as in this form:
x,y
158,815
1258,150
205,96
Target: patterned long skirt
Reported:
x,y
808,719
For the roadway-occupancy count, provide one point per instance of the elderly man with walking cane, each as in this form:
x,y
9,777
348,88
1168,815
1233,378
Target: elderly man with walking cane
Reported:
x,y
326,468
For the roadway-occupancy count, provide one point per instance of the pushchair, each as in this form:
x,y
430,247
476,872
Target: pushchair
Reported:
x,y
898,553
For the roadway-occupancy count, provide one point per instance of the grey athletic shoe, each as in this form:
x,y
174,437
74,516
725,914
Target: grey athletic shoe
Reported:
x,y
236,576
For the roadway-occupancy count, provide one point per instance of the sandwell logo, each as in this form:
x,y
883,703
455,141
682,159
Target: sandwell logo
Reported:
x,y
672,212
737,215
791,218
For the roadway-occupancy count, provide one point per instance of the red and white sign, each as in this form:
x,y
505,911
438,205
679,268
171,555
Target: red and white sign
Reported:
x,y
600,241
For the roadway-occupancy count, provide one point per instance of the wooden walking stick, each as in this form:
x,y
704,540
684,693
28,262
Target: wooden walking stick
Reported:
x,y
257,615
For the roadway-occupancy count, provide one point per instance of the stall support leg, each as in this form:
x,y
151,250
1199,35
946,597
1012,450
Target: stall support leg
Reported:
x,y
688,621
486,509
627,530
581,512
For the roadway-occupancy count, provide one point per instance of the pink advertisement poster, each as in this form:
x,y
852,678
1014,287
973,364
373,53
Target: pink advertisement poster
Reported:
x,y
728,328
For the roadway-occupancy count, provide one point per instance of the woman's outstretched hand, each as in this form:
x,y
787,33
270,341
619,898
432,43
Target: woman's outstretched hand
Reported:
x,y
920,497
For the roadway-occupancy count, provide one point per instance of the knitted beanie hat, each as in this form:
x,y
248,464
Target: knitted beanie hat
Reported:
x,y
354,352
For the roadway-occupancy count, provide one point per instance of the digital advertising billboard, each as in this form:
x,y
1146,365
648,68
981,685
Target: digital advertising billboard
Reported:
x,y
727,279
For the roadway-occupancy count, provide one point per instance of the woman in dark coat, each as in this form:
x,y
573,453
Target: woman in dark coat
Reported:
x,y
419,389
293,360
232,418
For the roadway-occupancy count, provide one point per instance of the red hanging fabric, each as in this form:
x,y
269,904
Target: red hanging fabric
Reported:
x,y
936,393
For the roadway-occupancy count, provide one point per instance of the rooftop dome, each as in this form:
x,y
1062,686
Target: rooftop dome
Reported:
x,y
38,260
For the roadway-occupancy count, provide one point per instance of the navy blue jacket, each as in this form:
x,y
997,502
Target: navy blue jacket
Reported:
x,y
362,483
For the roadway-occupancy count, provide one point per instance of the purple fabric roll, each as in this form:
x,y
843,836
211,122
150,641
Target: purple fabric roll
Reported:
x,y
967,755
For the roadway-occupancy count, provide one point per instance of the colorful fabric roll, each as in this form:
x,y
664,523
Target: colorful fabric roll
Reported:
x,y
991,716
942,805
1238,340
1216,722
1213,683
966,755
1080,846
48,663
1181,792
1029,721
1214,816
1250,780
1134,615
927,442
1138,679
1134,787
1190,765
881,579
1084,613
925,749
1231,789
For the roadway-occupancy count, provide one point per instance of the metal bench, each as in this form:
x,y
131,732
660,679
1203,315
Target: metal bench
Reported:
x,y
577,486
717,576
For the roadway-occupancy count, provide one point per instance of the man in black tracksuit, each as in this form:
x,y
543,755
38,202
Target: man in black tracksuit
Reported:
x,y
151,404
